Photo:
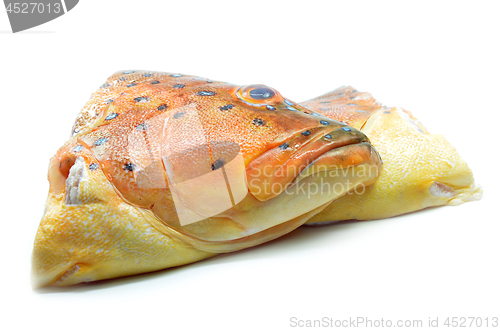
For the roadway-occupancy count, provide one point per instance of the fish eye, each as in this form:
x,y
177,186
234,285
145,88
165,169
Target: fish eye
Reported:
x,y
258,94
261,93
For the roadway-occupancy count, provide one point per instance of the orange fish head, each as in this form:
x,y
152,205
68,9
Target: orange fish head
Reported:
x,y
215,166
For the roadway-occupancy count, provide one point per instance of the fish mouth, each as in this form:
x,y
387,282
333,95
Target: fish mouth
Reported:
x,y
330,149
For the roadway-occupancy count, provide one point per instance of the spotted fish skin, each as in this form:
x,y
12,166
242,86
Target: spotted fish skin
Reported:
x,y
142,95
110,210
121,127
420,169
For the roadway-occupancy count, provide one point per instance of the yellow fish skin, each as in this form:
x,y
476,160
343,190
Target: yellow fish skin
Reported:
x,y
107,215
420,169
103,237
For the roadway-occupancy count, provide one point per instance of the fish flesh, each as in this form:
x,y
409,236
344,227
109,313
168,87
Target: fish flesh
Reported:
x,y
420,169
166,169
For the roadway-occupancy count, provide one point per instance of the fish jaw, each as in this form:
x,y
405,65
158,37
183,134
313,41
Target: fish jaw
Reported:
x,y
332,175
328,177
271,173
420,170
94,235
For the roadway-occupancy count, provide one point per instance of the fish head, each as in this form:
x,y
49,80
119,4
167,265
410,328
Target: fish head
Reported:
x,y
211,166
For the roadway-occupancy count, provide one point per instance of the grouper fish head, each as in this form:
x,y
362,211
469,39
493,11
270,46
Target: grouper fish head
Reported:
x,y
202,166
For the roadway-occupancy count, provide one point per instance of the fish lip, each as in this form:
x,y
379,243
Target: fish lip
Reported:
x,y
299,158
371,156
322,133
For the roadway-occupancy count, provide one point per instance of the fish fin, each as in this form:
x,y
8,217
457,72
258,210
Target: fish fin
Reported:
x,y
345,104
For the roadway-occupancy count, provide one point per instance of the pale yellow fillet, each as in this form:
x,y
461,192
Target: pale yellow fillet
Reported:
x,y
420,170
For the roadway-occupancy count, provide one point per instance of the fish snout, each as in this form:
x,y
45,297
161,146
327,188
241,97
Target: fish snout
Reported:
x,y
359,161
306,153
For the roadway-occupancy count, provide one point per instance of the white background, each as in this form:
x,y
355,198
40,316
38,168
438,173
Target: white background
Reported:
x,y
440,60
